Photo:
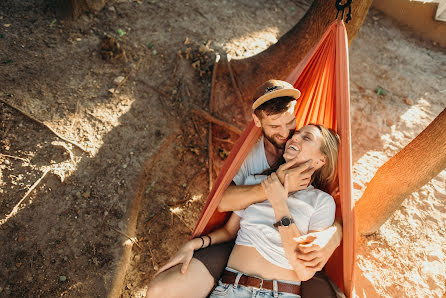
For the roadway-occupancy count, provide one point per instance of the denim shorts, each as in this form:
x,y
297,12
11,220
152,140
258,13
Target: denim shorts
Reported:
x,y
235,290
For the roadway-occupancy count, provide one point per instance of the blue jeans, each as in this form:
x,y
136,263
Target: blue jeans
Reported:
x,y
236,290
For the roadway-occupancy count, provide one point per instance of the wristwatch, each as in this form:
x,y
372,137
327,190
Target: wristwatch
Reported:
x,y
285,221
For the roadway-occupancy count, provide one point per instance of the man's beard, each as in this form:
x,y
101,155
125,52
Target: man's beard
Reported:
x,y
275,144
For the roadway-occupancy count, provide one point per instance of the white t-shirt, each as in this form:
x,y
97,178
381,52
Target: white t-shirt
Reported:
x,y
311,209
255,163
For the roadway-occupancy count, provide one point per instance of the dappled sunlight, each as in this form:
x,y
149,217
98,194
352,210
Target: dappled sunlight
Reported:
x,y
106,117
252,43
416,115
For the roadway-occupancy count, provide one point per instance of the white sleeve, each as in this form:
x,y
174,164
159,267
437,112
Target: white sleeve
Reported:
x,y
239,212
239,178
254,179
324,214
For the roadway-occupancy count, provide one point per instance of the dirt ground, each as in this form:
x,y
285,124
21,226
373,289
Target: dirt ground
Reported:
x,y
96,112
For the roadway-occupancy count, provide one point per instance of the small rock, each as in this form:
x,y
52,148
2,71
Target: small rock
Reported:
x,y
408,101
7,162
62,278
86,194
184,185
118,80
389,122
137,258
112,8
111,90
124,166
7,25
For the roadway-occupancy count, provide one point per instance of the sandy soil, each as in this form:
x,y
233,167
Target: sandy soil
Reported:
x,y
129,107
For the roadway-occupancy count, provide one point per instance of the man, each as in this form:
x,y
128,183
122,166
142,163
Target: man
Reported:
x,y
273,111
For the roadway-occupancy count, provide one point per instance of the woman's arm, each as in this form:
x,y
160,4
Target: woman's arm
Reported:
x,y
277,194
185,253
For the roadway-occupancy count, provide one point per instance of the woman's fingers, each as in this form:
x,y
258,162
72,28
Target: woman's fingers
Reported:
x,y
162,269
185,266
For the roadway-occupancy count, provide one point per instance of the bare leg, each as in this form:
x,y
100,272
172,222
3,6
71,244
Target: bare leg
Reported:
x,y
196,282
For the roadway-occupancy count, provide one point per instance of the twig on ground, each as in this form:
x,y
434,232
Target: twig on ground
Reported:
x,y
134,240
219,122
30,190
198,132
66,148
224,140
47,126
159,92
155,265
15,157
152,219
175,68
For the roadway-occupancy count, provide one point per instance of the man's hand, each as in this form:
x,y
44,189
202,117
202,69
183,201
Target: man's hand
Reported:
x,y
314,249
299,175
275,192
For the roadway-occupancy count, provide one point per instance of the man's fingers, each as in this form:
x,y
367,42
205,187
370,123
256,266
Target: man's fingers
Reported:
x,y
309,170
307,248
312,263
305,239
300,168
317,267
306,257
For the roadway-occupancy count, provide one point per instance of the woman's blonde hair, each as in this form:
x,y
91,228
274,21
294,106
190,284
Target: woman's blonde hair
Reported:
x,y
325,178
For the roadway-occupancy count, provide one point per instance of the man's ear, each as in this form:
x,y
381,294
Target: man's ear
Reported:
x,y
257,121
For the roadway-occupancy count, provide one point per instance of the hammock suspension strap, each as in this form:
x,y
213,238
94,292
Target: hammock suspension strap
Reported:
x,y
340,7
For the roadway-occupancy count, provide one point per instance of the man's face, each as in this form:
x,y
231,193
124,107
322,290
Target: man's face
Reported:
x,y
278,128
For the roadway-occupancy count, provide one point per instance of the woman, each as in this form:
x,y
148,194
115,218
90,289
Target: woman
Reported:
x,y
263,259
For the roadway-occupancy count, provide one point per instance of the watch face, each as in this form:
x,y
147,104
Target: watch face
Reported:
x,y
286,221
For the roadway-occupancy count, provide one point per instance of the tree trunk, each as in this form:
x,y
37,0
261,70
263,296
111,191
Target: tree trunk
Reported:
x,y
75,8
416,164
235,81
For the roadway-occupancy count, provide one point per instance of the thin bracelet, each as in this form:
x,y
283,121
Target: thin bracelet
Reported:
x,y
202,242
210,240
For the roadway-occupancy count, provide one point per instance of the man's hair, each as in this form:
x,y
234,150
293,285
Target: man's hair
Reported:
x,y
274,106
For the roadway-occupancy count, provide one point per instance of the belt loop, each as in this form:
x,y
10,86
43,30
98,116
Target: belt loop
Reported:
x,y
275,289
237,279
261,283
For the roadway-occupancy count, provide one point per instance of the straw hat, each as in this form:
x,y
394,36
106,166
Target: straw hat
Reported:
x,y
273,89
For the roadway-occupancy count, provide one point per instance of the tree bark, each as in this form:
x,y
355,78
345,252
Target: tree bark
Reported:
x,y
234,81
75,8
416,164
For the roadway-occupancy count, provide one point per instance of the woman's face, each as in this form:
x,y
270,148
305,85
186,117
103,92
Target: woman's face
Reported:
x,y
305,144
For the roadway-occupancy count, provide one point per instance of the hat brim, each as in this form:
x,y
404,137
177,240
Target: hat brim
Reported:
x,y
294,93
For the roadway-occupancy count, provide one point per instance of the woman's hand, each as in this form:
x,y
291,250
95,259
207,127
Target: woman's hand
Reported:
x,y
274,190
183,256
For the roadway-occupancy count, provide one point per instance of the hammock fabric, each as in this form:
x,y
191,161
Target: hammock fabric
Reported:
x,y
323,78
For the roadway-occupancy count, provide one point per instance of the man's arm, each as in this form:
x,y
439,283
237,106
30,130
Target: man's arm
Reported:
x,y
237,197
314,249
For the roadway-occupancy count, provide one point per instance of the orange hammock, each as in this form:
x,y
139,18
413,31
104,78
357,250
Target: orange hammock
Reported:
x,y
323,78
